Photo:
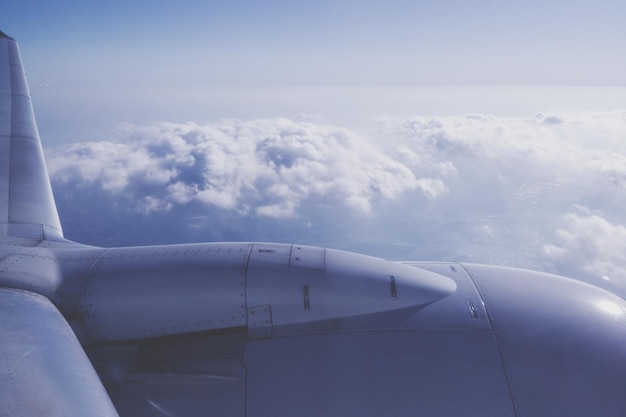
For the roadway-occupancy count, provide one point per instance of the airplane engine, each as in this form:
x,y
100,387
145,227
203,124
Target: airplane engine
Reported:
x,y
563,342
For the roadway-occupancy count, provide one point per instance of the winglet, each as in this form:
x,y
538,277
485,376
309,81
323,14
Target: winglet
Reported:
x,y
27,207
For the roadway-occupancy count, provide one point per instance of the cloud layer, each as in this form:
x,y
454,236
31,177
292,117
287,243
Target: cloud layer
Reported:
x,y
269,167
590,246
545,191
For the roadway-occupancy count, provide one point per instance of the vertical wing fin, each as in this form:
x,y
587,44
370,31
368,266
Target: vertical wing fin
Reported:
x,y
27,207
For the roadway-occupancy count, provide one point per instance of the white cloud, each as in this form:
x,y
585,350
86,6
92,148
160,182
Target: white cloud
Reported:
x,y
270,164
590,243
483,188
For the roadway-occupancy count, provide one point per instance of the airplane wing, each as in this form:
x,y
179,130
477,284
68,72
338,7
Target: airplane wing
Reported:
x,y
43,368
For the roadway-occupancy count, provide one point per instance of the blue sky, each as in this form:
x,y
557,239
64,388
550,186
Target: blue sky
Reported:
x,y
486,131
393,42
93,65
337,42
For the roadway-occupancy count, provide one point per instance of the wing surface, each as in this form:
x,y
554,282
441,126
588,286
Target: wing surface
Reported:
x,y
43,369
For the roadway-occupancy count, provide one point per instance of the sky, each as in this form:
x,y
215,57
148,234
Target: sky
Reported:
x,y
481,131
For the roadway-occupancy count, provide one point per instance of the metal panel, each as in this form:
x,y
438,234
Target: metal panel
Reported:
x,y
5,70
23,124
5,166
464,309
35,273
25,193
416,373
260,321
5,114
19,85
59,274
43,370
31,199
563,342
5,130
134,293
271,253
350,288
307,257
187,375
